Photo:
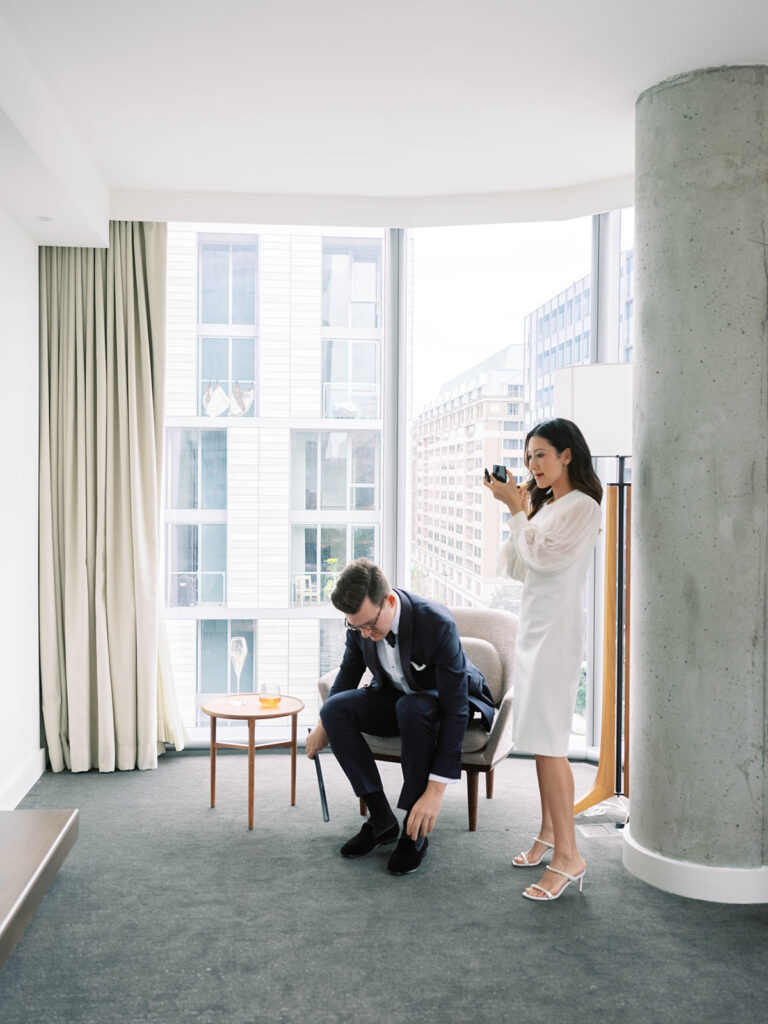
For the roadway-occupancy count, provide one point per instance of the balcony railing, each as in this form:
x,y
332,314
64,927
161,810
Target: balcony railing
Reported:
x,y
186,589
312,588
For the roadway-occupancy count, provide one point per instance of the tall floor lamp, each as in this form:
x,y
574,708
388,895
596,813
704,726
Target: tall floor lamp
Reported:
x,y
598,397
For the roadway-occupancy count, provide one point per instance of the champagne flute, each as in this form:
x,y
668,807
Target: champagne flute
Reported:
x,y
238,652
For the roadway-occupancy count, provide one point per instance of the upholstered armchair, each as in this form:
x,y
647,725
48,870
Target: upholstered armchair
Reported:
x,y
488,638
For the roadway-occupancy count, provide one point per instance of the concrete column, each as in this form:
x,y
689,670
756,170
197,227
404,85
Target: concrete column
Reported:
x,y
700,469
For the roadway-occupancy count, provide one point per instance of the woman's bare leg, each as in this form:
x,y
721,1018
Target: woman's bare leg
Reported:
x,y
557,793
546,830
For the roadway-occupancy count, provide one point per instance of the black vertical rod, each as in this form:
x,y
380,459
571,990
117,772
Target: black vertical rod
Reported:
x,y
620,632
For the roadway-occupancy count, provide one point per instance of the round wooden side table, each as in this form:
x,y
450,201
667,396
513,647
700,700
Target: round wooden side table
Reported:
x,y
247,708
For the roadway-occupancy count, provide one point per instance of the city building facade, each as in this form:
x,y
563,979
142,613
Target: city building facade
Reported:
x,y
476,422
559,333
273,450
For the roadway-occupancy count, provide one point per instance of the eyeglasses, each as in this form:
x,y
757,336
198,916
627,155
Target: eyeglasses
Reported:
x,y
369,627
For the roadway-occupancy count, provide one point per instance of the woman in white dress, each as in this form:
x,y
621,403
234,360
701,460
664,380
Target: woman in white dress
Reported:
x,y
549,549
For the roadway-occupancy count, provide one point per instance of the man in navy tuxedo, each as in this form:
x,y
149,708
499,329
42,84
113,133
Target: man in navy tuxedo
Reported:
x,y
424,689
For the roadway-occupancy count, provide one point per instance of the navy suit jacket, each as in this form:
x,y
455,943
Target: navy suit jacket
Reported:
x,y
432,659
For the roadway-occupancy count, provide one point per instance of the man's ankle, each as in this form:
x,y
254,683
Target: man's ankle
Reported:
x,y
381,814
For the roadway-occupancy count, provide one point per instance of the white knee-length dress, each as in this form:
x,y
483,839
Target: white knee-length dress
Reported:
x,y
550,554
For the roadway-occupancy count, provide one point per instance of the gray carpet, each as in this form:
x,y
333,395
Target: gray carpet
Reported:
x,y
169,911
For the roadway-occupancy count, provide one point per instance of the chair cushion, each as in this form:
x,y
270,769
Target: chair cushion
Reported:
x,y
475,738
383,744
484,656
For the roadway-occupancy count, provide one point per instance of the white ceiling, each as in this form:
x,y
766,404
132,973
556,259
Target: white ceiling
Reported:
x,y
395,100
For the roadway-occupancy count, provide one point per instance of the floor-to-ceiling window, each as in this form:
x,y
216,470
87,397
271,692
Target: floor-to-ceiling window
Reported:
x,y
496,310
276,444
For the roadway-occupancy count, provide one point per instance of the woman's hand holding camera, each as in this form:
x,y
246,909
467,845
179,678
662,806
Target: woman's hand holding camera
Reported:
x,y
507,491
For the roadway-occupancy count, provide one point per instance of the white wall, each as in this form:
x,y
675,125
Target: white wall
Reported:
x,y
21,758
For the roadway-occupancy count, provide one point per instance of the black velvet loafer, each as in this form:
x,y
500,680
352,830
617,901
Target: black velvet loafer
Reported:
x,y
407,856
366,840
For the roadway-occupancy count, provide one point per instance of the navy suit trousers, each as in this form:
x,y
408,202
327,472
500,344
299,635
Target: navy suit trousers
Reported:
x,y
386,711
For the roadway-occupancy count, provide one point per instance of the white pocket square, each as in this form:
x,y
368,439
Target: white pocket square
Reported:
x,y
417,668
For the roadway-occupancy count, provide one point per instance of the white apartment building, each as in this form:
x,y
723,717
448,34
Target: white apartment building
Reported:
x,y
273,450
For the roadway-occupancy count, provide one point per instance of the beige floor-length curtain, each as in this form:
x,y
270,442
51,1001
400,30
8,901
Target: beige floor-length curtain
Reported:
x,y
102,367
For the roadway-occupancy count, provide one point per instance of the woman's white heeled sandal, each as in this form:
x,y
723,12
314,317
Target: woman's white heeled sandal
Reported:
x,y
525,863
553,896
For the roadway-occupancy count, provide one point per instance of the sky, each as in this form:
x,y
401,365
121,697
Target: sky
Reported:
x,y
474,286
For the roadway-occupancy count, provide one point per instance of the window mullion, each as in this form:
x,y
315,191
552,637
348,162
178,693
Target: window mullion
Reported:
x,y
394,411
230,298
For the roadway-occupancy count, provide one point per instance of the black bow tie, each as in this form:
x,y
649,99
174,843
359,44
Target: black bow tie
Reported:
x,y
391,638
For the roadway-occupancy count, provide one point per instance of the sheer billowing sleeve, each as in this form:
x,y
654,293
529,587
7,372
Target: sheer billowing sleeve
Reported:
x,y
553,542
508,561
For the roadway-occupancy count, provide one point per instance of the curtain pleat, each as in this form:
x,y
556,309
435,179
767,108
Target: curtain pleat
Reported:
x,y
102,325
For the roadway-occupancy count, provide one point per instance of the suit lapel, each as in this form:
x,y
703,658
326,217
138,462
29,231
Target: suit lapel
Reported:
x,y
405,637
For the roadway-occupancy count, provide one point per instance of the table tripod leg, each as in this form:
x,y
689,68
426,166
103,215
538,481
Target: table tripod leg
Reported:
x,y
251,763
294,725
213,761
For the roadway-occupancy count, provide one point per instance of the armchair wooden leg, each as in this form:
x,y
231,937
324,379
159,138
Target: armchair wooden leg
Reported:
x,y
489,784
473,778
363,807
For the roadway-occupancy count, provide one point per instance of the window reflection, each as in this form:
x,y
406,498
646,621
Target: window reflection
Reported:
x,y
351,283
350,379
341,467
196,564
627,286
228,381
227,282
215,673
182,468
320,553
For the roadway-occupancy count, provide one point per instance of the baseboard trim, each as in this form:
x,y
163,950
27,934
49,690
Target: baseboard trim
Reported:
x,y
695,881
23,781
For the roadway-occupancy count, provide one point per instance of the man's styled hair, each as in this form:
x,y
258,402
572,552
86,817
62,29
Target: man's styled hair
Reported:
x,y
360,579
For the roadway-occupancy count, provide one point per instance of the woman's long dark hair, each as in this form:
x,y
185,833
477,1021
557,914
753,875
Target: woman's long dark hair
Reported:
x,y
563,434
